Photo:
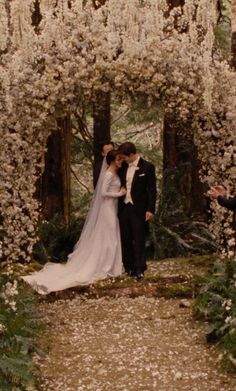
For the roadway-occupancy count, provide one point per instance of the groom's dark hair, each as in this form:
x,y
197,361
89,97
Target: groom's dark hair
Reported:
x,y
127,148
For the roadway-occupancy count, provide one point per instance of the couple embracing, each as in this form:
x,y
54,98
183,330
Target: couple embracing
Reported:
x,y
115,227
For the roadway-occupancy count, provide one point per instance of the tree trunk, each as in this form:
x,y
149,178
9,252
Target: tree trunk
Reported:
x,y
181,228
36,15
101,119
233,34
180,157
54,185
101,127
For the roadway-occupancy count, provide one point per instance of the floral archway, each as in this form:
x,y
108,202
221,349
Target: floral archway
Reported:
x,y
134,48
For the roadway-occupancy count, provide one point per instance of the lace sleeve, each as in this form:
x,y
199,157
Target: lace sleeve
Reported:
x,y
106,186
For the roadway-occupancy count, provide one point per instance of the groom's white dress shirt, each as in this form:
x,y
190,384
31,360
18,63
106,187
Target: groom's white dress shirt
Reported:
x,y
129,179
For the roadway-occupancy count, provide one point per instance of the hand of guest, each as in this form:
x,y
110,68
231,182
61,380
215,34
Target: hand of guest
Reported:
x,y
216,191
149,216
212,193
221,190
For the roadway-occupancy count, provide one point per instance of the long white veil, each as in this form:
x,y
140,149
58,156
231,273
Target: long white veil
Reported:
x,y
91,259
93,212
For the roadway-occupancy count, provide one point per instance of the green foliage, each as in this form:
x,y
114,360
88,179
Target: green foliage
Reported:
x,y
56,239
216,303
222,35
223,28
19,333
82,140
80,200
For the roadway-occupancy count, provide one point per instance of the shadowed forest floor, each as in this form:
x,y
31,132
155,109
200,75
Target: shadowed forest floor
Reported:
x,y
123,335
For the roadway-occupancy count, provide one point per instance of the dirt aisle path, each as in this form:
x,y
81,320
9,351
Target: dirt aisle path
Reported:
x,y
129,344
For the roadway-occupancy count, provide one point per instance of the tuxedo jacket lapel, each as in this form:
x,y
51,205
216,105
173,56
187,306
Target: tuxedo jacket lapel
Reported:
x,y
124,169
143,188
123,173
137,172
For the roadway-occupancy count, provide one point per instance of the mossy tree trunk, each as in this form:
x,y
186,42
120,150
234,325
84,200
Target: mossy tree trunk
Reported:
x,y
53,187
181,226
54,184
101,118
180,153
101,127
233,34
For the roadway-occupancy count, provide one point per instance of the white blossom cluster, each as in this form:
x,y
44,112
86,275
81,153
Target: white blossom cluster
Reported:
x,y
227,304
9,293
135,48
2,328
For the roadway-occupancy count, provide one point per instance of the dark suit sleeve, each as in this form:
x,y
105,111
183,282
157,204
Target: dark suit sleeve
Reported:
x,y
229,203
152,190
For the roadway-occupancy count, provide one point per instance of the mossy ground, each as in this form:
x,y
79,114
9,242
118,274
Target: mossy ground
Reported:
x,y
169,278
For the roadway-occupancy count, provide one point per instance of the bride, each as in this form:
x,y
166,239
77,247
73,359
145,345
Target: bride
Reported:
x,y
97,254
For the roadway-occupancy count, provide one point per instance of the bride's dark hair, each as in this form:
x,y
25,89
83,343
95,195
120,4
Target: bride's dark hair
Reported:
x,y
111,156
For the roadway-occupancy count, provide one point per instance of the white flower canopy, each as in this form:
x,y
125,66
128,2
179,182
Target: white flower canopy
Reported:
x,y
136,48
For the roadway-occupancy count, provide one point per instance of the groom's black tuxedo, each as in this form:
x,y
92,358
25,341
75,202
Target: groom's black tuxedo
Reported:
x,y
132,216
143,190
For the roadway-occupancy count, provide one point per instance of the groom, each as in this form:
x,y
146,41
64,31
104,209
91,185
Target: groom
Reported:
x,y
136,208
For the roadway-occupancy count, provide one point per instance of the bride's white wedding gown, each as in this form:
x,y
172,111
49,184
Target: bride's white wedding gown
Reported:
x,y
97,254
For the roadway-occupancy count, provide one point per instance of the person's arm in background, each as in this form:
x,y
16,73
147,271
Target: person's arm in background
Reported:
x,y
229,203
219,193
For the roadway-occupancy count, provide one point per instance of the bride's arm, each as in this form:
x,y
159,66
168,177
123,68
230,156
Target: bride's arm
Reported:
x,y
106,186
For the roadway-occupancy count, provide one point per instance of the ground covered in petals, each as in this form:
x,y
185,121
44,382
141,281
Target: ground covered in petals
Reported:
x,y
131,336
